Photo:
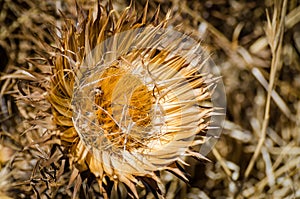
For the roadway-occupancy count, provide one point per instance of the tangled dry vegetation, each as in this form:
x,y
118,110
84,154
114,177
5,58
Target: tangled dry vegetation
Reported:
x,y
256,45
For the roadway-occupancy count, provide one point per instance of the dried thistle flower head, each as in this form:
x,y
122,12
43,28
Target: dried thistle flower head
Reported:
x,y
130,98
138,100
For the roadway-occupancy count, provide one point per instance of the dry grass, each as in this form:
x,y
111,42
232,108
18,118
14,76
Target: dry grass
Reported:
x,y
256,44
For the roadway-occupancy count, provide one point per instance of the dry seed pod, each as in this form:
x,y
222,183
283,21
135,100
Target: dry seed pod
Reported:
x,y
131,101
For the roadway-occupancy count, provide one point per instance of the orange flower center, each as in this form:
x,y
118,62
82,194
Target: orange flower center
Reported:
x,y
122,100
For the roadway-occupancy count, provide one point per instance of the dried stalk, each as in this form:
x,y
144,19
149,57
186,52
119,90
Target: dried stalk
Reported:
x,y
274,33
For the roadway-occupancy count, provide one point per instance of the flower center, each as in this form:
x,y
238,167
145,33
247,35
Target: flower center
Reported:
x,y
124,106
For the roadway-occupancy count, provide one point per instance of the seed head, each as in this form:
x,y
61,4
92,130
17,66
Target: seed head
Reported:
x,y
130,98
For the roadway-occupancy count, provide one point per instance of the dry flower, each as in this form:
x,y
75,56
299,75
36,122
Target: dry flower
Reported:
x,y
129,98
